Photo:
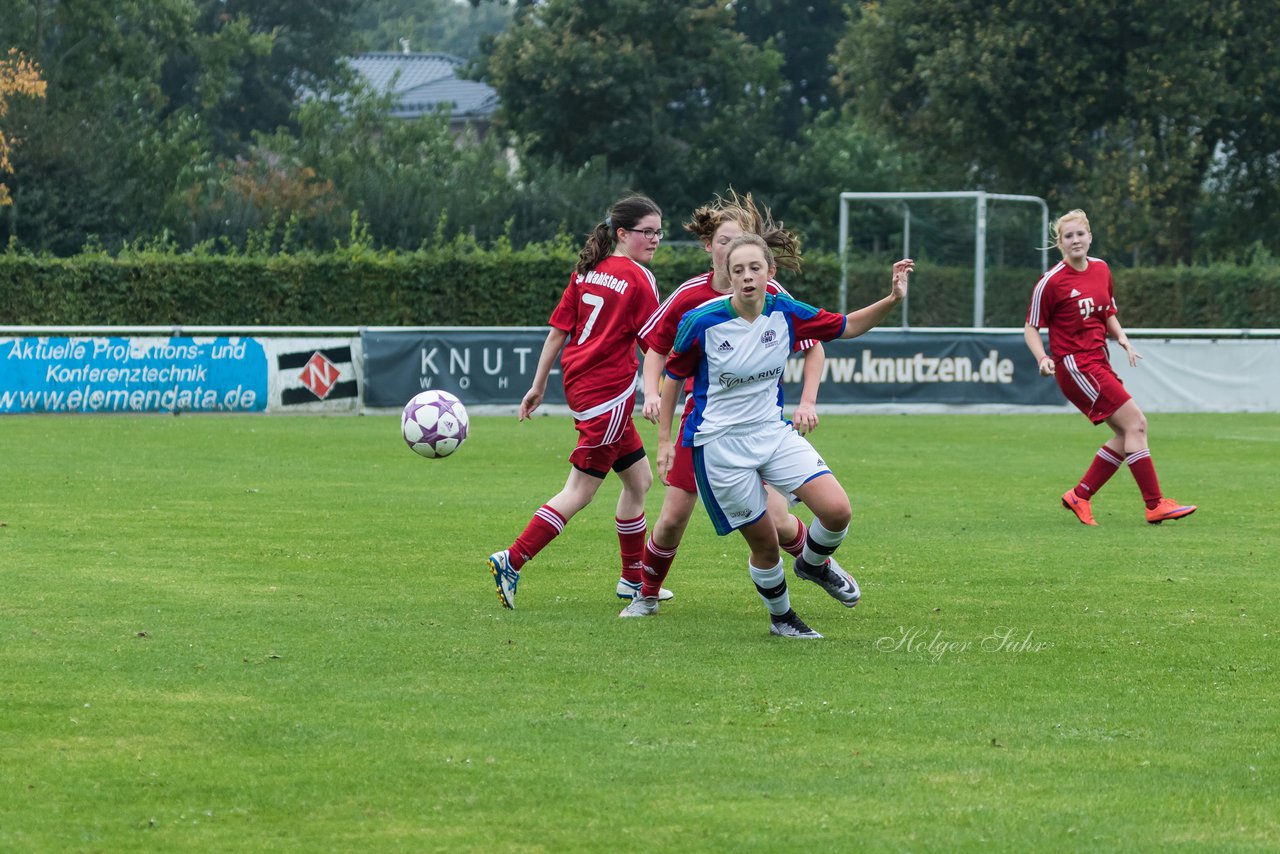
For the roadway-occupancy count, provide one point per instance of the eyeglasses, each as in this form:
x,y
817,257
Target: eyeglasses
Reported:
x,y
649,233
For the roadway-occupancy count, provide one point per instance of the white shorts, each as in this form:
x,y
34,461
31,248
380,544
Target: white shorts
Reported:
x,y
732,468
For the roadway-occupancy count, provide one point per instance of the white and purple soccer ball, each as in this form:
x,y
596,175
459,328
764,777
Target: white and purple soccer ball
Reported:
x,y
434,423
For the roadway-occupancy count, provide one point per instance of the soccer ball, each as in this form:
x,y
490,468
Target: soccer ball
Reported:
x,y
434,423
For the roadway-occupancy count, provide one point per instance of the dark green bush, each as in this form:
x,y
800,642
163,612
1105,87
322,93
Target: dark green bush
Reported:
x,y
462,285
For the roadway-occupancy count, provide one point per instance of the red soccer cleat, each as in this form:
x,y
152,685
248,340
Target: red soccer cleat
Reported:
x,y
1169,509
1080,507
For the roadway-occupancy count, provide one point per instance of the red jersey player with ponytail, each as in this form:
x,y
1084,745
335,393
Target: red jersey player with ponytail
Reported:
x,y
1075,300
609,296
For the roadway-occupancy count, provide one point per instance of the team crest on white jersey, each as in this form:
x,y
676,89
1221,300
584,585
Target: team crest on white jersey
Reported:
x,y
769,338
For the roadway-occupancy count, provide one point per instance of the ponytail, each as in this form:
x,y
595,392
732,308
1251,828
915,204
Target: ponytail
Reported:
x,y
625,213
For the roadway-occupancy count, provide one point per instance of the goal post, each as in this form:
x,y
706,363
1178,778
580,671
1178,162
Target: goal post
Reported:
x,y
980,199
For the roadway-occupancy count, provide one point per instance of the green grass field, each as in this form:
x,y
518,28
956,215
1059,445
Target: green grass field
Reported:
x,y
279,633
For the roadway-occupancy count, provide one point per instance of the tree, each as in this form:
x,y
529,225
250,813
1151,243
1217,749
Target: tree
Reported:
x,y
833,154
670,93
248,63
18,76
97,151
1124,110
143,94
805,32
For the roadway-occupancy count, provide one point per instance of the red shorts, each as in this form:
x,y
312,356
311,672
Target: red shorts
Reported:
x,y
1089,382
606,439
680,475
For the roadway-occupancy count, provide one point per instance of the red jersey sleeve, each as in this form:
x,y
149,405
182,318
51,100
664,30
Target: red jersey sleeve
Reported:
x,y
684,364
659,331
823,326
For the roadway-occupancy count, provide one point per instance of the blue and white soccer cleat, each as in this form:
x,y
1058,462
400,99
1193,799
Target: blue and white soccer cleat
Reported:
x,y
504,577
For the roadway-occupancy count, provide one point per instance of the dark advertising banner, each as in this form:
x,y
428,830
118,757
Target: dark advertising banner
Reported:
x,y
926,367
480,366
487,367
89,375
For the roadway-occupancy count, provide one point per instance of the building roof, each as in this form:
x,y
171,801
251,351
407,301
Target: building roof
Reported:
x,y
425,83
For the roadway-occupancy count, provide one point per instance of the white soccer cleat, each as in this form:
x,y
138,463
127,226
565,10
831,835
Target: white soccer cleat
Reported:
x,y
789,625
641,606
628,590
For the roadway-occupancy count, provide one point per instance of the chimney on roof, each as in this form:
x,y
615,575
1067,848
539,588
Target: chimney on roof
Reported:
x,y
404,46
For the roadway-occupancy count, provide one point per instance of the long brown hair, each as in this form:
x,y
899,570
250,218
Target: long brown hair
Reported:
x,y
783,243
625,213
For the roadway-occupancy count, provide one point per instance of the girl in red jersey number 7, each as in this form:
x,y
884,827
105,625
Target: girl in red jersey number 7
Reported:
x,y
609,296
1075,300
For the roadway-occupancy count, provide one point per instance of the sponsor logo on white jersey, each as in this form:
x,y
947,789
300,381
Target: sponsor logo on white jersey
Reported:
x,y
728,381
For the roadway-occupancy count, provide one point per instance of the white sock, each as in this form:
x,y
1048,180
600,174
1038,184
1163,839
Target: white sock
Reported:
x,y
771,584
821,543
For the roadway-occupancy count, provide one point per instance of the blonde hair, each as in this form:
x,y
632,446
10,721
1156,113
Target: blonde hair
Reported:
x,y
1055,231
782,242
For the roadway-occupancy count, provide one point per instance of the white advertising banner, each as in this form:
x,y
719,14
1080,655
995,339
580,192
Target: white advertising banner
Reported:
x,y
314,374
1203,375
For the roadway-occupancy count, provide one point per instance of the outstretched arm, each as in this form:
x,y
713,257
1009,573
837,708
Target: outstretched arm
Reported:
x,y
864,319
550,349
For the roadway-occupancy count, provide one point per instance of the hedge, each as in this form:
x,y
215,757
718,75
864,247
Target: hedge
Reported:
x,y
462,285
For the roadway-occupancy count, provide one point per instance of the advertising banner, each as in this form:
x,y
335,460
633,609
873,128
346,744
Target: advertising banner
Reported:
x,y
351,371
313,374
496,367
108,374
926,367
1202,375
480,366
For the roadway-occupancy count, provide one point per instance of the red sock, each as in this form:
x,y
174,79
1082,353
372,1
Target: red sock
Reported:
x,y
631,533
544,527
796,546
1144,472
657,563
1104,464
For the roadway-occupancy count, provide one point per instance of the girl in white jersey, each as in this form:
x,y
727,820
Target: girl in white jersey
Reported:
x,y
735,349
716,225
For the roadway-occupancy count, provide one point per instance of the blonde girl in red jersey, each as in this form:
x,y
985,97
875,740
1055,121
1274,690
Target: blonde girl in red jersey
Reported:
x,y
1075,301
609,296
717,225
